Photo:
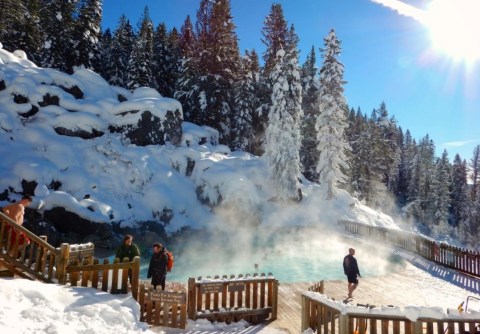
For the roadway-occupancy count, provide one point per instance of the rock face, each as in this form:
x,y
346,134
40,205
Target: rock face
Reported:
x,y
150,129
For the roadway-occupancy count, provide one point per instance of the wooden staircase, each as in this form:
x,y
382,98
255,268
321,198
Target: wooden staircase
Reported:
x,y
37,261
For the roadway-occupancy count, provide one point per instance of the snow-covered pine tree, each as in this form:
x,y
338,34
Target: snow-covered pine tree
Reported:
x,y
118,54
87,34
275,37
331,121
19,26
283,139
475,173
244,106
420,183
185,85
218,63
106,40
440,195
358,138
139,70
460,198
160,59
308,153
57,49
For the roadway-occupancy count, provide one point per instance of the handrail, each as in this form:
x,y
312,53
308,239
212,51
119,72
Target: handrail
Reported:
x,y
326,316
37,260
30,234
461,259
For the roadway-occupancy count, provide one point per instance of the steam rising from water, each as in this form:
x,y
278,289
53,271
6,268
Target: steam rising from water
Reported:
x,y
290,254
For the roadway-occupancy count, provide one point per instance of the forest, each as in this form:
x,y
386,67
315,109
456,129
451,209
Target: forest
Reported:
x,y
294,114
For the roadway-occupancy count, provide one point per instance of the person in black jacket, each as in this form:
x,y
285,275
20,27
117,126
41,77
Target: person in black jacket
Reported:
x,y
157,269
350,268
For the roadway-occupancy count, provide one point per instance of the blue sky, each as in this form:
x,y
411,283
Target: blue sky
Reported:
x,y
388,57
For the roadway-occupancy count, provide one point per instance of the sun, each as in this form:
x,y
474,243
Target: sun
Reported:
x,y
454,28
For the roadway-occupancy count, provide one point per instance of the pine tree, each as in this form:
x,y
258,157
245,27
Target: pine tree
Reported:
x,y
160,59
19,26
309,154
218,63
57,49
460,198
87,35
331,121
185,85
475,172
106,40
118,55
139,72
275,37
244,106
12,16
421,180
440,195
359,141
283,138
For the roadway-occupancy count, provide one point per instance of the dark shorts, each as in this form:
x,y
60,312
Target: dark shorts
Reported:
x,y
352,279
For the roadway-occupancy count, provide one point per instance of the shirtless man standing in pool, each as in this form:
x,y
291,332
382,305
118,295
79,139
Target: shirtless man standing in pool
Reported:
x,y
350,268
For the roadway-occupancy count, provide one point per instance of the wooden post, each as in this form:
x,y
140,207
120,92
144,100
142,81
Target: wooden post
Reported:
x,y
135,276
62,263
343,324
275,300
192,295
124,278
305,314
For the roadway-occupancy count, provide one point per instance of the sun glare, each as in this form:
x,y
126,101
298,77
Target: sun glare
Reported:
x,y
455,28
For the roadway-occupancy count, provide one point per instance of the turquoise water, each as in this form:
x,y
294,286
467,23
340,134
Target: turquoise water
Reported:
x,y
295,256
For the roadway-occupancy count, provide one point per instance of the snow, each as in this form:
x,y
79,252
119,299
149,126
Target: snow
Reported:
x,y
108,180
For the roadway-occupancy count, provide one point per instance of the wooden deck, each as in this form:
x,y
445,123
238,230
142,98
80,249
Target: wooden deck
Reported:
x,y
431,286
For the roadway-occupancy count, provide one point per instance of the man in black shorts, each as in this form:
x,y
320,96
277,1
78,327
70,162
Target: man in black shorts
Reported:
x,y
350,268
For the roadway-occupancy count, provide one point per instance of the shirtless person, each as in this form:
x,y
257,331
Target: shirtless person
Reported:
x,y
16,211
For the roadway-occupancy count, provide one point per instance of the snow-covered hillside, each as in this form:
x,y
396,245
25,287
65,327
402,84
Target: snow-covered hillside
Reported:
x,y
69,150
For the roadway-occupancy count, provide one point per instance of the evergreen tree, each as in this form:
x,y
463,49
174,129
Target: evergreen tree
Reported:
x,y
421,181
331,121
188,69
283,138
275,37
460,198
139,71
475,172
440,195
57,49
118,55
244,106
19,26
358,139
106,40
87,35
161,57
309,154
218,61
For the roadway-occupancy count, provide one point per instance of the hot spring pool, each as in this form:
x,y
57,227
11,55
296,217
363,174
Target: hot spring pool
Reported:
x,y
296,256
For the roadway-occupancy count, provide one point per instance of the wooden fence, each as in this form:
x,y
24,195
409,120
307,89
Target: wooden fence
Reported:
x,y
251,298
463,260
106,276
163,308
329,317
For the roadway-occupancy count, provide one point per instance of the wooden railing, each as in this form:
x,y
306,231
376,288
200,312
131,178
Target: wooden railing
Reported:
x,y
251,298
35,261
463,260
323,315
108,277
